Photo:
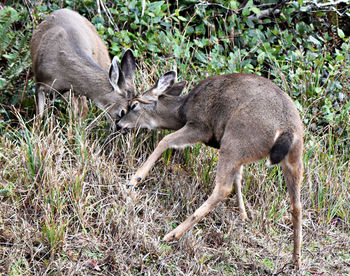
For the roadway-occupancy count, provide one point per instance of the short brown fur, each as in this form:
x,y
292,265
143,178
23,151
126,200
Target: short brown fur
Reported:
x,y
67,53
241,114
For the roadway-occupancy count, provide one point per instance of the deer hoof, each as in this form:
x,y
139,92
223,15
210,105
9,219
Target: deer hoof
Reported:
x,y
173,235
297,262
135,181
169,237
243,216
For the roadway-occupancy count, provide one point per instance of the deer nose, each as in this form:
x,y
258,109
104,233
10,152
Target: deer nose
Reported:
x,y
124,131
117,128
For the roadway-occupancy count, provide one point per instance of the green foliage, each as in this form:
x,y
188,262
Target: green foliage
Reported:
x,y
201,38
14,57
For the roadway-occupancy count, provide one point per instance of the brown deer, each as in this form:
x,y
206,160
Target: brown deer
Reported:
x,y
245,116
68,54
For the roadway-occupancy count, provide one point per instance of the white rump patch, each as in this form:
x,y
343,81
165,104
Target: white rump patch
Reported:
x,y
277,134
268,163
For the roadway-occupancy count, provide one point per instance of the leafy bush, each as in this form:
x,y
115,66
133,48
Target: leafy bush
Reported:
x,y
14,59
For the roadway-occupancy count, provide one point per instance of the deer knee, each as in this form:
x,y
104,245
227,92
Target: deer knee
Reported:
x,y
222,192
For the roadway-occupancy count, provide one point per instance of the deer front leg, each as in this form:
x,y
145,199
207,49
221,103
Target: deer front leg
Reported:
x,y
40,99
143,171
183,137
80,106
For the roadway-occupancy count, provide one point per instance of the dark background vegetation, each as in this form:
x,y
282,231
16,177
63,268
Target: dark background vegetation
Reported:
x,y
297,39
303,46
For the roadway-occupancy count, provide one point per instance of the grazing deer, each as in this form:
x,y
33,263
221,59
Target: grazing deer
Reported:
x,y
67,53
245,116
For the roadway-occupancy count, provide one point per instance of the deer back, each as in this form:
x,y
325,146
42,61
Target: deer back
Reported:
x,y
80,33
253,104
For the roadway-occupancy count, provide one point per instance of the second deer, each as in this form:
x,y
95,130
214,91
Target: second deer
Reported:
x,y
67,53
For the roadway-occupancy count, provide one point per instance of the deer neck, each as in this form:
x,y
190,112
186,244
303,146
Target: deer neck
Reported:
x,y
89,79
169,112
95,85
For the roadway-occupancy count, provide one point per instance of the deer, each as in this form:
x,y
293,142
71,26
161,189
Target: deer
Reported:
x,y
68,55
245,116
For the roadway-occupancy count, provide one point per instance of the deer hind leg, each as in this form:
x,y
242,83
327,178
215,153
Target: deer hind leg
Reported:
x,y
238,190
183,137
292,167
227,170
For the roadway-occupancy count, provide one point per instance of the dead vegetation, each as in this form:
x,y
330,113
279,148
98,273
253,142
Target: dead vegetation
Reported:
x,y
65,209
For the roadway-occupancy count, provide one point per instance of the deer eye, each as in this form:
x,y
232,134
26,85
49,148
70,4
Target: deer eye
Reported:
x,y
121,113
134,105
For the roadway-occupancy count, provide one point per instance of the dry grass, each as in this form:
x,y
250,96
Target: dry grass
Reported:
x,y
65,209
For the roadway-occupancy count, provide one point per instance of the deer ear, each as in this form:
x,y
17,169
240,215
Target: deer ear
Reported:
x,y
116,77
128,65
176,89
164,82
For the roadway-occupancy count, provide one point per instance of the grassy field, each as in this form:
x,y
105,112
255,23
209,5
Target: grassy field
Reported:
x,y
65,208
